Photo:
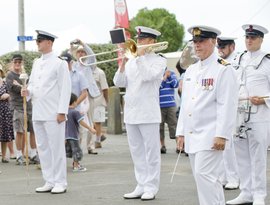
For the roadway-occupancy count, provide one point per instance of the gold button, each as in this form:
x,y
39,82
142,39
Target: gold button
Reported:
x,y
189,114
190,132
193,98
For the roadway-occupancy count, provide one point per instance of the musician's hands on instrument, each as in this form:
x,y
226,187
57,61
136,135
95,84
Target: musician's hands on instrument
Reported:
x,y
256,100
180,142
61,118
219,143
122,66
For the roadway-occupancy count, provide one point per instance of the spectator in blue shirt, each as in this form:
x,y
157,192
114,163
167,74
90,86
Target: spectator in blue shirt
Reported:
x,y
168,106
73,149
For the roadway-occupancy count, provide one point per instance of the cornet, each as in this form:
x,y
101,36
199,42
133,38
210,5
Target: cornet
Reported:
x,y
129,49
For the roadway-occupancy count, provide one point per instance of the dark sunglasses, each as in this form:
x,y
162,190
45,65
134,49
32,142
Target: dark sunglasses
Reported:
x,y
40,40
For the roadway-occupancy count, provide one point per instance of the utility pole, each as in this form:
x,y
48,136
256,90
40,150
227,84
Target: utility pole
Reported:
x,y
21,23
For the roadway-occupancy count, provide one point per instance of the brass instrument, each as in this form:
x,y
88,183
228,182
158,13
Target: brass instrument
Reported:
x,y
130,50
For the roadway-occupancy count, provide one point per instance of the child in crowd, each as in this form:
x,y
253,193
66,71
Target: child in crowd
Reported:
x,y
73,149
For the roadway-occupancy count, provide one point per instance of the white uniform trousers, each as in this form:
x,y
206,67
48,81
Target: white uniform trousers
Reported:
x,y
230,171
206,171
50,139
251,156
90,142
144,145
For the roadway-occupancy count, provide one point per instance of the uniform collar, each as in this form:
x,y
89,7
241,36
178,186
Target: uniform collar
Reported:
x,y
209,60
47,55
254,54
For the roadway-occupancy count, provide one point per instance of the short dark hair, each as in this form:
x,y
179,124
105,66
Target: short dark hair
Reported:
x,y
73,98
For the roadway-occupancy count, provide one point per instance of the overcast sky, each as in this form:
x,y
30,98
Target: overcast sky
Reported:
x,y
91,20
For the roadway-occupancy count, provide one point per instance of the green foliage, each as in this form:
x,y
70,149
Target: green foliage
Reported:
x,y
28,57
163,21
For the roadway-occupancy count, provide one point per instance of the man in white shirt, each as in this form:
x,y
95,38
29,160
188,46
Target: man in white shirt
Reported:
x,y
208,109
142,76
251,146
229,178
50,90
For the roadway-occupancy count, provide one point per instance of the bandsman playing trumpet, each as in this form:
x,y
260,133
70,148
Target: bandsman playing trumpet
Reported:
x,y
142,76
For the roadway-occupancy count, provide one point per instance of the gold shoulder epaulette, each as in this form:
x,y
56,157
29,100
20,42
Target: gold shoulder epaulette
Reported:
x,y
223,62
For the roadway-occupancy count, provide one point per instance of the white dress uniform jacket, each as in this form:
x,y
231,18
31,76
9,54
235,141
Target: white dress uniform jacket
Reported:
x,y
257,81
49,87
209,104
251,152
142,78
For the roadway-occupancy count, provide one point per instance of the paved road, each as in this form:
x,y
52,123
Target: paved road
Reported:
x,y
109,176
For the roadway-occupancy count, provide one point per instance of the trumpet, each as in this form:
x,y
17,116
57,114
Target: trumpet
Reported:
x,y
130,50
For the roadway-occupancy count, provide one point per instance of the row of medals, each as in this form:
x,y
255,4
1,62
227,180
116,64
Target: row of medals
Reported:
x,y
207,84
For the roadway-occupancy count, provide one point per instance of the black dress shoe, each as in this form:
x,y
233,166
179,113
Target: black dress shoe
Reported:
x,y
183,151
163,150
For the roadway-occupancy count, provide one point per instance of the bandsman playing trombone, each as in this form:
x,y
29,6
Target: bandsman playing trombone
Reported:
x,y
142,76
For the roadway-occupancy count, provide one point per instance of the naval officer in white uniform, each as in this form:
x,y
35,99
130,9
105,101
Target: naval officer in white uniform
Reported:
x,y
229,178
142,76
207,114
251,150
50,90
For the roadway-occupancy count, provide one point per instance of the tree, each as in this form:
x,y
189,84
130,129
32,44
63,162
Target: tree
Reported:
x,y
163,21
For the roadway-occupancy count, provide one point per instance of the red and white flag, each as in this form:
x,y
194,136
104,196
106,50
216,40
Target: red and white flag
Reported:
x,y
121,14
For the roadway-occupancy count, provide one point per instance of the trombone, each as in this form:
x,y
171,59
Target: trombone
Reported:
x,y
130,50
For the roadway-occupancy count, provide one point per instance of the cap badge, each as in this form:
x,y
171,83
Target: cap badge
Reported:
x,y
196,32
250,28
